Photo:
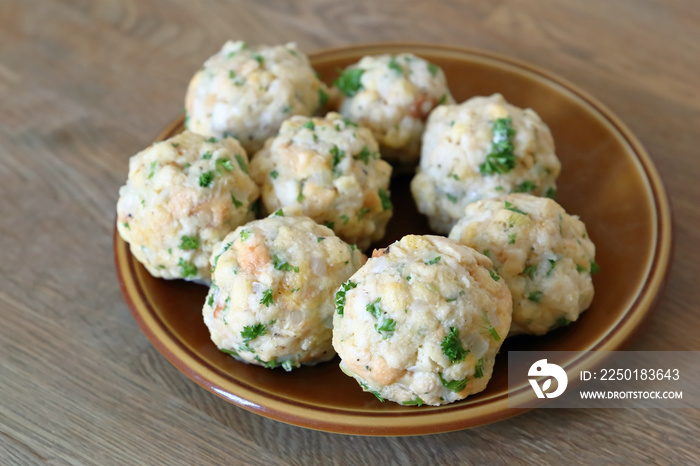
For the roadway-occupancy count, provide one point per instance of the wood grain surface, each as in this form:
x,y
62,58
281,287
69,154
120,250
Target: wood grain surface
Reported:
x,y
86,84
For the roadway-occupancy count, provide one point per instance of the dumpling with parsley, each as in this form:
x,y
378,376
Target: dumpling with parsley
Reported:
x,y
421,322
482,148
272,292
182,196
392,95
330,168
542,253
248,91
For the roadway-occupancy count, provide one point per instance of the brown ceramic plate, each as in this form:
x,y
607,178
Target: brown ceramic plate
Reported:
x,y
607,179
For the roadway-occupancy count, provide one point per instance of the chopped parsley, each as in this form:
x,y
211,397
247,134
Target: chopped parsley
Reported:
x,y
530,271
212,139
345,219
274,174
259,58
126,225
207,155
512,208
581,269
152,169
337,155
535,296
562,322
491,329
288,365
386,199
374,309
551,192
300,196
452,346
267,298
366,388
451,198
224,164
501,158
330,225
365,155
284,266
552,264
251,332
433,69
187,269
349,81
206,179
453,385
279,213
340,295
394,65
487,253
244,235
364,211
319,239
511,238
443,99
235,201
349,123
433,261
241,163
228,351
479,369
494,275
385,328
309,125
525,187
322,97
417,401
189,242
595,268
231,74
453,176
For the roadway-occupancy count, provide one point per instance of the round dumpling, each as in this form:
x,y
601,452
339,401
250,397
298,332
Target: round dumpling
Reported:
x,y
271,298
183,195
421,322
392,95
332,169
247,92
543,254
480,149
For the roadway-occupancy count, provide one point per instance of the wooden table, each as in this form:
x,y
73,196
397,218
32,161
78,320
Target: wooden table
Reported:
x,y
84,85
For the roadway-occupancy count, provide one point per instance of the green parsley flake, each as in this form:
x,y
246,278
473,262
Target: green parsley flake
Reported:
x,y
453,385
366,388
322,97
551,192
530,271
349,81
562,322
228,351
284,266
491,329
417,401
525,187
451,198
385,328
189,242
512,208
175,144
279,213
374,309
259,58
442,100
595,268
187,269
452,346
453,176
349,123
394,65
241,163
386,199
207,155
288,365
152,169
511,238
236,202
552,264
126,225
319,239
309,125
231,74
212,139
494,275
267,298
345,219
479,369
365,155
364,211
206,179
501,158
433,261
337,155
274,174
330,225
244,235
251,332
340,295
433,69
487,253
535,296
224,164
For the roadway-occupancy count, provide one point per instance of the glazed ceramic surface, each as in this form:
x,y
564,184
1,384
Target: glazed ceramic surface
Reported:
x,y
607,179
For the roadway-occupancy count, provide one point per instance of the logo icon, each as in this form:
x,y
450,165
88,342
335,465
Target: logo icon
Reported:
x,y
541,369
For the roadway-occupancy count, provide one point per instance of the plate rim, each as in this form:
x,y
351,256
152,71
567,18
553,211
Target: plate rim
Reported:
x,y
427,419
